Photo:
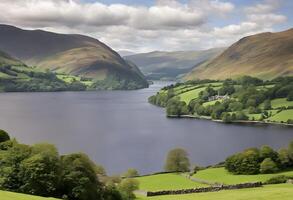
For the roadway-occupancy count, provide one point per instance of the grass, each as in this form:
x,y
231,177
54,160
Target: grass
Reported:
x,y
17,196
192,94
211,103
268,192
276,103
282,116
220,175
166,182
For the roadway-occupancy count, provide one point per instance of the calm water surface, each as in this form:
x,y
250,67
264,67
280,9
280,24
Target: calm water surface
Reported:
x,y
119,129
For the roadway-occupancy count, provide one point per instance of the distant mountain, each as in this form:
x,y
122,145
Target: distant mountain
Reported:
x,y
171,65
265,55
125,53
71,54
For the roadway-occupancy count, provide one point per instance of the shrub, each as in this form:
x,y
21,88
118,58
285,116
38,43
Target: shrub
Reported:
x,y
268,166
127,187
277,179
4,136
131,173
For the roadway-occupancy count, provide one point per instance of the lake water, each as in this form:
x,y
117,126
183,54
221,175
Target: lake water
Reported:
x,y
119,129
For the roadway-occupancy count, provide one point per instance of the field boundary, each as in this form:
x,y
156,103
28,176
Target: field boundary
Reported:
x,y
205,189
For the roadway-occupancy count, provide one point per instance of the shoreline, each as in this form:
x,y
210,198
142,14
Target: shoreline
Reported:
x,y
233,122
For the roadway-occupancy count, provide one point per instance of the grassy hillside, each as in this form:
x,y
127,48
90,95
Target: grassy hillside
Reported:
x,y
16,196
71,54
17,77
269,192
265,55
166,182
171,65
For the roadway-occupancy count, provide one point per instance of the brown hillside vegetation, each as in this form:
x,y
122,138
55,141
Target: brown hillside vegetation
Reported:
x,y
265,55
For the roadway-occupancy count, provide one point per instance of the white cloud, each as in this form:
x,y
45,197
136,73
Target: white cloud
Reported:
x,y
167,25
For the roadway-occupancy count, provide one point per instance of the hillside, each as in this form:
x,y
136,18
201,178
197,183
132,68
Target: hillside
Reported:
x,y
15,76
7,59
265,55
171,65
71,54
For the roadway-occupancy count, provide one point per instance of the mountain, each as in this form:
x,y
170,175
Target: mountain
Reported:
x,y
15,76
125,53
71,54
7,59
170,65
264,55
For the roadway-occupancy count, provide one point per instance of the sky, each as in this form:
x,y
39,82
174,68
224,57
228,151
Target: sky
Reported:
x,y
152,25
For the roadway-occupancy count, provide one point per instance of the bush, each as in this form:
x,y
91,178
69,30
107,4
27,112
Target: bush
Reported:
x,y
130,173
268,166
4,136
127,187
277,179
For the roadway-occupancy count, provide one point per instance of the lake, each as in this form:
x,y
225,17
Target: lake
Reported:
x,y
120,129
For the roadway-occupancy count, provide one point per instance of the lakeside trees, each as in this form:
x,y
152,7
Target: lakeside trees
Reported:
x,y
243,99
263,160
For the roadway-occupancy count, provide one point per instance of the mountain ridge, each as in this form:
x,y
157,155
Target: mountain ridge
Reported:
x,y
69,53
265,55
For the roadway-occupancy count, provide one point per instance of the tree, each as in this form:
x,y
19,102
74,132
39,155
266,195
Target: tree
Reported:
x,y
78,179
290,150
290,96
127,187
131,173
284,158
10,166
268,152
100,170
268,166
40,173
267,105
226,117
177,161
4,136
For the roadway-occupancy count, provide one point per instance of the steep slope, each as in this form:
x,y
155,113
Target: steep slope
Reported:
x,y
265,55
170,65
70,54
15,76
7,59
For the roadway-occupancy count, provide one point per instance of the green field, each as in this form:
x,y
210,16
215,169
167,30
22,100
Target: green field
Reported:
x,y
220,175
276,103
282,116
16,196
192,94
269,192
166,182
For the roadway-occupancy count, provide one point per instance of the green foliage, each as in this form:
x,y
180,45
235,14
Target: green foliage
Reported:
x,y
177,161
100,170
127,187
130,173
268,166
246,162
79,179
284,159
277,179
4,136
267,152
40,173
176,107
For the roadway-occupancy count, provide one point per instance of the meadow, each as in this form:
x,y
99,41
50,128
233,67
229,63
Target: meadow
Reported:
x,y
16,196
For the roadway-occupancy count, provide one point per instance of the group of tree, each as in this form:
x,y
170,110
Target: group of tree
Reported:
x,y
40,170
263,160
